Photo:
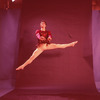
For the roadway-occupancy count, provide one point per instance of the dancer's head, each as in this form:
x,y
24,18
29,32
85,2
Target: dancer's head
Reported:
x,y
43,24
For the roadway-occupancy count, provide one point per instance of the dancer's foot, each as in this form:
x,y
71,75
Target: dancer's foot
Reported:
x,y
20,67
74,43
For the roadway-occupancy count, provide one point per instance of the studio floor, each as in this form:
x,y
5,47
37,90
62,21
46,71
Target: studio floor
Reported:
x,y
22,94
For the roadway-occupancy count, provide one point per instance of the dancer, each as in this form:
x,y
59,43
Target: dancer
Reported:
x,y
44,37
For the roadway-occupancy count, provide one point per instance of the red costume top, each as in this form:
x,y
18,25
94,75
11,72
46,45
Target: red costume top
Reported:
x,y
45,34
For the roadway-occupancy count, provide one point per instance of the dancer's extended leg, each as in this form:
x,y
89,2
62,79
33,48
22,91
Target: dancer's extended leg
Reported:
x,y
43,47
36,53
55,46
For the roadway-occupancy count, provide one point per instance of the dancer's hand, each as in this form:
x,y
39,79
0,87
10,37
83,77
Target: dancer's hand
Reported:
x,y
42,38
49,39
20,67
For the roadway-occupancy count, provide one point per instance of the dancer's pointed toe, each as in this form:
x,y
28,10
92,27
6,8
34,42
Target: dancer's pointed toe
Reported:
x,y
20,68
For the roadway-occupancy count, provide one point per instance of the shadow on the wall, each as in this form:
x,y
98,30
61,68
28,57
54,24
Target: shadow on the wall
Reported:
x,y
51,54
89,60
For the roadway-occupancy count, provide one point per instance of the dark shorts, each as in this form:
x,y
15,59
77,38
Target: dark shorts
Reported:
x,y
43,42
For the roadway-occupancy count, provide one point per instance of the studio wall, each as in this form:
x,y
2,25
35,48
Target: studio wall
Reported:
x,y
9,43
69,69
96,46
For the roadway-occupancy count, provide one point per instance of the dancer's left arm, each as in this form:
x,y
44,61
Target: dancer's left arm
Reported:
x,y
49,36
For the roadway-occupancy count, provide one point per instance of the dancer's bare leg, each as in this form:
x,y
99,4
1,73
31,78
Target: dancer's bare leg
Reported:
x,y
55,46
43,47
35,54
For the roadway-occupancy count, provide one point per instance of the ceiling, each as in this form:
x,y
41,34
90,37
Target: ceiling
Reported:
x,y
6,4
95,4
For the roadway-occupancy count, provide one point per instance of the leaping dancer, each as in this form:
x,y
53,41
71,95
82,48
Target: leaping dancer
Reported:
x,y
44,38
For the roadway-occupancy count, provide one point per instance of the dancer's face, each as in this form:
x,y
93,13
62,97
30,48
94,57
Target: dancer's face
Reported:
x,y
42,24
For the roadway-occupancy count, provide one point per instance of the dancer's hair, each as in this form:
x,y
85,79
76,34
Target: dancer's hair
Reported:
x,y
44,22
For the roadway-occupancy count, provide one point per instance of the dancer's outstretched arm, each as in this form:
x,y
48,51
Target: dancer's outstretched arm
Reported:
x,y
36,53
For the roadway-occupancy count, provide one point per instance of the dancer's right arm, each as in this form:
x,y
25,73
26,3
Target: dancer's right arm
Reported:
x,y
42,38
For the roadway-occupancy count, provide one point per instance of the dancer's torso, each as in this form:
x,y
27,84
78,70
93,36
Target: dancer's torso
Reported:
x,y
45,34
